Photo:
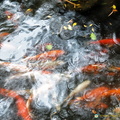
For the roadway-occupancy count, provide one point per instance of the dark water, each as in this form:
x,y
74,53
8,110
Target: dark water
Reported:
x,y
48,22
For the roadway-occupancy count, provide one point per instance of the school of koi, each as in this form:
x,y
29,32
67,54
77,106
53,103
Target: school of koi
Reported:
x,y
41,68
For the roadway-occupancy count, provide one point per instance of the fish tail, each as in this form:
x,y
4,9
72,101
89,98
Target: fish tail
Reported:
x,y
22,109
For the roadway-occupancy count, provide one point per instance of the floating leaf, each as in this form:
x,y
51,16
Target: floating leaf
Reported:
x,y
49,16
74,24
85,25
28,10
49,47
69,27
93,36
114,6
91,25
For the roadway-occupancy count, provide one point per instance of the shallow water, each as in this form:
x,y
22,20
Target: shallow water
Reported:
x,y
29,35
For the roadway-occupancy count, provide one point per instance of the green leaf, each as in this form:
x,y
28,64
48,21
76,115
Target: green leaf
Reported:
x,y
49,47
93,36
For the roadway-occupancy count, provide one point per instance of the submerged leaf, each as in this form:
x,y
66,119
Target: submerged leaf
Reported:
x,y
93,36
49,47
69,27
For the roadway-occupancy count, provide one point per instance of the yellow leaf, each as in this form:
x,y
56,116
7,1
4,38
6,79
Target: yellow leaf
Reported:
x,y
85,25
74,24
114,6
91,25
29,10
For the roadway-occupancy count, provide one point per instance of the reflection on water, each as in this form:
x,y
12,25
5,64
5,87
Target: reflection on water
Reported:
x,y
45,55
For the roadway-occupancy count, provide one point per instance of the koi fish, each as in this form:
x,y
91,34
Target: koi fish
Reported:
x,y
22,109
78,89
92,68
106,41
93,94
46,65
14,67
114,68
3,34
112,92
93,99
112,71
46,55
21,105
50,65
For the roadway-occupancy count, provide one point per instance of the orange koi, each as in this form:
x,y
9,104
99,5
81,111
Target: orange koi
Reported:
x,y
46,55
106,41
112,71
21,105
112,92
93,98
22,109
114,68
93,68
93,94
3,34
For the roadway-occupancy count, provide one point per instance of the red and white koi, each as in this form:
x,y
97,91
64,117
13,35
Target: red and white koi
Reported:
x,y
92,68
46,55
14,67
110,41
20,102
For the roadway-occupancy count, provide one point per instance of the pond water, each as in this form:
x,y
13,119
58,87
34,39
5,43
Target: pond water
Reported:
x,y
43,54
